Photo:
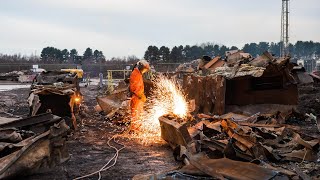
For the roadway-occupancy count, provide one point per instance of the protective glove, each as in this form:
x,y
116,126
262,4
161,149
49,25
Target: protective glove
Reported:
x,y
143,98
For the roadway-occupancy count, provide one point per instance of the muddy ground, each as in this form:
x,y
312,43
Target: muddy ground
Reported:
x,y
309,99
88,146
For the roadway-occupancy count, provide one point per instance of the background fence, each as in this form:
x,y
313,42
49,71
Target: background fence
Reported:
x,y
92,69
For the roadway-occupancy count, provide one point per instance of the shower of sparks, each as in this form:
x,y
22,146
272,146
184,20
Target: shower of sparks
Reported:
x,y
166,98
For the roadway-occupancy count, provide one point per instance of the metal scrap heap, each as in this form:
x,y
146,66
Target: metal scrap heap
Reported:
x,y
242,82
38,142
28,145
57,92
236,146
245,123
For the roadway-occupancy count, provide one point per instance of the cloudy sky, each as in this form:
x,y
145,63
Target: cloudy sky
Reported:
x,y
128,27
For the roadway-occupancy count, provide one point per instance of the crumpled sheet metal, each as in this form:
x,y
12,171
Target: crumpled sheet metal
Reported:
x,y
59,98
243,70
230,169
32,122
250,140
263,60
51,77
243,141
113,101
36,152
256,67
62,89
9,135
174,133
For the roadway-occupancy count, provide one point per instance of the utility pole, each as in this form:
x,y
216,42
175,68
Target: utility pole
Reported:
x,y
284,41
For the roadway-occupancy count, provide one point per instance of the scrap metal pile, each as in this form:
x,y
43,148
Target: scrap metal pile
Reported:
x,y
38,142
55,91
262,136
24,76
243,147
29,145
11,76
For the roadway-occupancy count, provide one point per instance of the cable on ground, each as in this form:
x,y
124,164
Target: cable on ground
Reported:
x,y
107,166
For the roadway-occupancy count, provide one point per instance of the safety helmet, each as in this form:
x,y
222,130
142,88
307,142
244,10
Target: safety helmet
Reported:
x,y
143,64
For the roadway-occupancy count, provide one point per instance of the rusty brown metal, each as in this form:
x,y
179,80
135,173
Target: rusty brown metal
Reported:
x,y
57,92
31,121
113,101
214,138
174,133
215,62
43,150
243,81
227,168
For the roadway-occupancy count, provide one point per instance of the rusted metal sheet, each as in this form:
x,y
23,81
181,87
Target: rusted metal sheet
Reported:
x,y
26,78
220,136
220,94
301,76
39,151
215,62
31,121
113,101
264,81
207,91
227,168
252,109
262,60
57,92
236,56
51,77
269,90
174,133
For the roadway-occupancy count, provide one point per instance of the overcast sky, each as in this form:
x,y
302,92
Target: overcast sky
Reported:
x,y
128,27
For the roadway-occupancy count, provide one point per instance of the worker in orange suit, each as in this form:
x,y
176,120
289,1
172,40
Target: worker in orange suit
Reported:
x,y
137,93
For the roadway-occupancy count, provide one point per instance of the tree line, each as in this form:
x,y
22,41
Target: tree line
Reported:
x,y
55,55
178,54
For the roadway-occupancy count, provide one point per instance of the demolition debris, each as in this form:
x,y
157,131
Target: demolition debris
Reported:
x,y
55,91
31,144
223,147
258,142
227,117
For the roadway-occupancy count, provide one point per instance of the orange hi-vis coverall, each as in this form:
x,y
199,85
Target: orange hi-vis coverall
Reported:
x,y
137,99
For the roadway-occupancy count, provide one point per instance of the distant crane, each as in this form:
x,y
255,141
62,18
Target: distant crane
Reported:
x,y
284,40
